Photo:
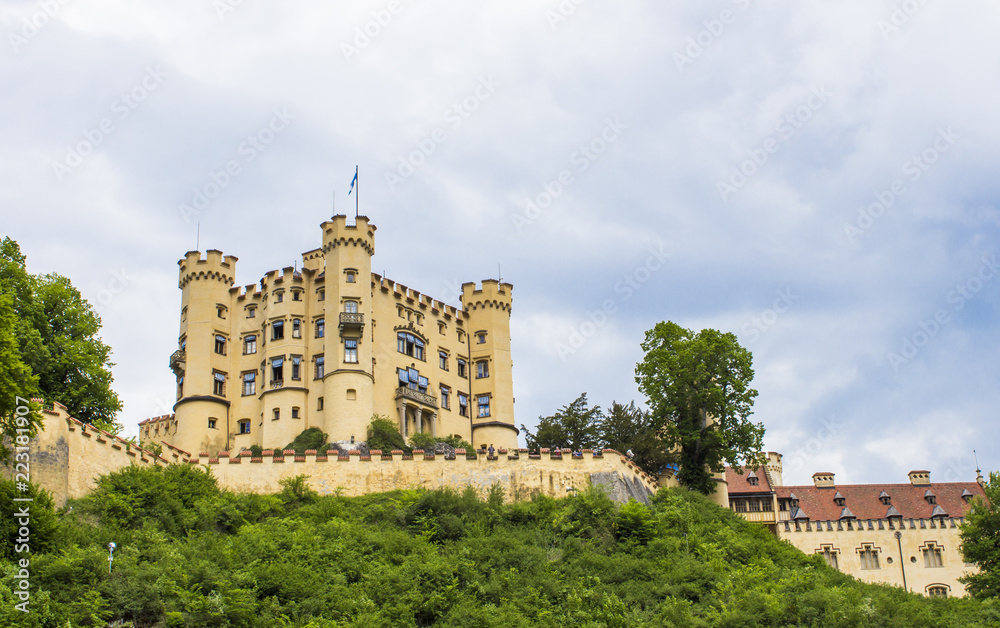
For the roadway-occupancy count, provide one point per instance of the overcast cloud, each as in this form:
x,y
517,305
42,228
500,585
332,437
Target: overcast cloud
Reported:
x,y
817,177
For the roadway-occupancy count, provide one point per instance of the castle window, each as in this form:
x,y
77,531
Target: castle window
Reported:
x,y
295,412
937,590
319,403
352,394
296,328
319,367
251,312
351,351
184,313
869,556
218,383
739,505
320,328
830,555
277,330
296,364
250,345
445,398
277,414
410,345
461,336
481,337
279,296
244,426
220,311
250,383
296,295
351,307
482,369
321,295
277,370
929,496
411,378
463,404
212,422
484,405
180,386
443,360
461,367
220,345
932,555
350,276
441,328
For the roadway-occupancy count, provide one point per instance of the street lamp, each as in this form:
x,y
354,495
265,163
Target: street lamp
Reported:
x,y
902,563
111,554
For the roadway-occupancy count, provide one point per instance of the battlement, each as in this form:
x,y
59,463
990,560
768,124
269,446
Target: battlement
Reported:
x,y
214,266
414,298
288,274
248,291
492,294
859,525
336,232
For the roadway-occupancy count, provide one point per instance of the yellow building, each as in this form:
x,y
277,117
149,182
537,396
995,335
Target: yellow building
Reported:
x,y
329,346
900,534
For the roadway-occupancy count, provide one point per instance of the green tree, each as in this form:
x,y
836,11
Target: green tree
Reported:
x,y
698,390
312,438
384,435
981,542
16,376
575,426
626,428
55,330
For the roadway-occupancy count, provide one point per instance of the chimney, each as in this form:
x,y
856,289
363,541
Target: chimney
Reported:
x,y
920,478
823,480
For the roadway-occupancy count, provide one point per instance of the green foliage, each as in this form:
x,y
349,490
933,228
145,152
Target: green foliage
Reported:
x,y
312,438
41,520
981,542
698,390
445,558
575,426
423,440
628,428
55,331
384,435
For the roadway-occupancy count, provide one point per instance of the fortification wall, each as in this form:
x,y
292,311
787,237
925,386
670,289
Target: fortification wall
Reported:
x,y
68,456
521,474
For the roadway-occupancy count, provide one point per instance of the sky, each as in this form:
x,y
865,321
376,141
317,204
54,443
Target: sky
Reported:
x,y
818,178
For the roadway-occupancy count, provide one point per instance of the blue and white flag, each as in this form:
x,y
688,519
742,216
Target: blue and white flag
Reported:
x,y
353,181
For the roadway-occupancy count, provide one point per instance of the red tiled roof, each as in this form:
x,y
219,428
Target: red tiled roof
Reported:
x,y
863,499
740,484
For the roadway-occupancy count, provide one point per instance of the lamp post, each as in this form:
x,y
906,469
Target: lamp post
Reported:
x,y
902,563
111,554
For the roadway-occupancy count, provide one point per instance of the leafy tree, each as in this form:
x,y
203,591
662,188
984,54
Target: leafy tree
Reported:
x,y
55,330
384,435
576,426
423,440
312,438
981,542
630,428
698,387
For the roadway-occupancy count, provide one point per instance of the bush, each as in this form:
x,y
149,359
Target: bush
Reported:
x,y
312,438
384,434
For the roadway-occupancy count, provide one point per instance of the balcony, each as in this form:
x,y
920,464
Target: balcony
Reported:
x,y
277,383
416,395
758,517
352,324
177,360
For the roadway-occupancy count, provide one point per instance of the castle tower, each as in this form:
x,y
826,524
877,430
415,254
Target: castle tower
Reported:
x,y
492,385
202,410
348,382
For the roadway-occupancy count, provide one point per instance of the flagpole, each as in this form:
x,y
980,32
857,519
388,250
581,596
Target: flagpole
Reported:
x,y
356,194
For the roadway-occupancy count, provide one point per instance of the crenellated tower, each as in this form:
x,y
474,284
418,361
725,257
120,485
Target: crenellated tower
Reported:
x,y
492,387
201,369
348,381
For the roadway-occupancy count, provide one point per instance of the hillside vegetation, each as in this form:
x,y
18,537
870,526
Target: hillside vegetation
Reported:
x,y
189,554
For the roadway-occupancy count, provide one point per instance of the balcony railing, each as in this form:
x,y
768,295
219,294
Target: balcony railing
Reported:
x,y
758,517
177,358
277,383
352,322
416,395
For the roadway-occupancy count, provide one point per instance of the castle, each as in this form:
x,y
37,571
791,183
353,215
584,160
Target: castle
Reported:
x,y
901,534
329,346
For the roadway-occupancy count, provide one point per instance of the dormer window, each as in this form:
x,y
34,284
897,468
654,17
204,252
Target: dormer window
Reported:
x,y
930,497
752,479
884,498
966,495
839,499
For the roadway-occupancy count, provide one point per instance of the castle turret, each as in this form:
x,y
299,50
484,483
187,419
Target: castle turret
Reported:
x,y
201,362
488,310
348,380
